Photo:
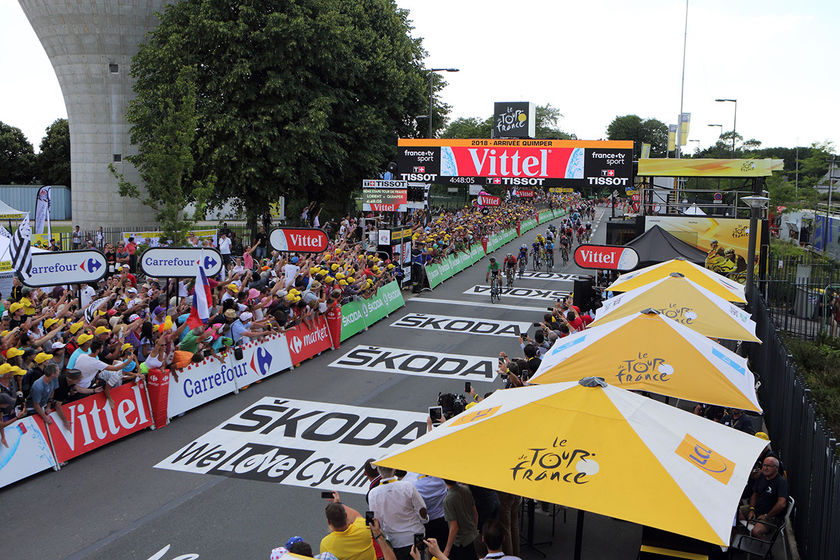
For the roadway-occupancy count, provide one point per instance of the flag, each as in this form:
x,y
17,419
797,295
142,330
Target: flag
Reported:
x,y
22,249
42,211
685,124
90,310
5,233
645,151
202,301
672,137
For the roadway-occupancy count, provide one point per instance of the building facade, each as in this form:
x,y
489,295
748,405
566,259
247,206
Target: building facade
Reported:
x,y
90,44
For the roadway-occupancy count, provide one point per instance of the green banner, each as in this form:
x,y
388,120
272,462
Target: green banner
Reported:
x,y
352,319
434,275
528,225
392,296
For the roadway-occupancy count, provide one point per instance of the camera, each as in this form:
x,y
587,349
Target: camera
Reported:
x,y
419,543
451,404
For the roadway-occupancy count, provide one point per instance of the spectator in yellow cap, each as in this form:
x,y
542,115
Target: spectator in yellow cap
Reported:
x,y
74,328
42,357
83,340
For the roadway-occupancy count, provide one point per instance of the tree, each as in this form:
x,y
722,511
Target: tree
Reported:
x,y
293,99
52,164
17,156
647,131
546,118
164,157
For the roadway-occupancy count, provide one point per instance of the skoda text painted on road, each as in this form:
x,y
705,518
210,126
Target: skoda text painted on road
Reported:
x,y
465,325
298,240
171,262
418,362
66,267
552,276
299,443
525,293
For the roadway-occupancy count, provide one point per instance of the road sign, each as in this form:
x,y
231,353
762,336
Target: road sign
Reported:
x,y
299,240
180,262
609,257
66,267
717,198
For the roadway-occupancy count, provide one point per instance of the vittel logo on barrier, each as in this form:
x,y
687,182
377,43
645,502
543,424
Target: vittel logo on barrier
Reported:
x,y
99,421
261,361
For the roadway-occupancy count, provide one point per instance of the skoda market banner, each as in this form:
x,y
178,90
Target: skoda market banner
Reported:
x,y
94,422
66,267
299,443
166,262
26,451
517,162
210,379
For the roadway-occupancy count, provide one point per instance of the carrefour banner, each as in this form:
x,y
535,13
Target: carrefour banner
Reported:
x,y
211,378
516,162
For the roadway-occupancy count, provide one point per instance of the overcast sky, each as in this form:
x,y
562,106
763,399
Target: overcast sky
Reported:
x,y
591,59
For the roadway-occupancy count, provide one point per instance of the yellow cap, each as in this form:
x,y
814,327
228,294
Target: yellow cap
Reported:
x,y
762,435
14,352
74,327
339,276
84,337
42,357
101,330
25,302
4,333
343,282
29,311
125,347
329,279
350,279
233,288
18,371
15,306
50,322
5,368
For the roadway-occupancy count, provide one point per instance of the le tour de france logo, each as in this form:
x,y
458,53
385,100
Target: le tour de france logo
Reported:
x,y
560,462
512,119
644,367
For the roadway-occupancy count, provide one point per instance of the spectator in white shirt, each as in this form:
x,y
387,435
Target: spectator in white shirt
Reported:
x,y
224,248
400,509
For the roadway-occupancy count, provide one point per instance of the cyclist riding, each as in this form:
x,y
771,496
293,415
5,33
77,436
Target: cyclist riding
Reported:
x,y
588,230
537,250
493,268
523,258
565,245
510,268
549,253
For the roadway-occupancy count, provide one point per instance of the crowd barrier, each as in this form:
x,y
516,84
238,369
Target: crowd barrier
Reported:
x,y
34,446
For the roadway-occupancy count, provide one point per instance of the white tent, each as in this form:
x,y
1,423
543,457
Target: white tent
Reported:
x,y
9,213
694,210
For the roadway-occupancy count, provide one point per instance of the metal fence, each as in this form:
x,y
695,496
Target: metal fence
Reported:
x,y
799,434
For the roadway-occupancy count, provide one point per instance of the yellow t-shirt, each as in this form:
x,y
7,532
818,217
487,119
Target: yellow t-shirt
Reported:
x,y
354,543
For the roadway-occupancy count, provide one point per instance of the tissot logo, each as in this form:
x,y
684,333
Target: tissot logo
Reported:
x,y
261,361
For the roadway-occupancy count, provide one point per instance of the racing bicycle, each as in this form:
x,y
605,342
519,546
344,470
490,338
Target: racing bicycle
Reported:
x,y
549,261
536,255
564,251
522,264
495,289
509,274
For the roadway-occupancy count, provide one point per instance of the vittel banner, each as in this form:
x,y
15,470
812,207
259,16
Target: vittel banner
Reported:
x,y
299,443
517,162
210,379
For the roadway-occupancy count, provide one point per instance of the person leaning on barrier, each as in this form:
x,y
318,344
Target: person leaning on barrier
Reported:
x,y
768,500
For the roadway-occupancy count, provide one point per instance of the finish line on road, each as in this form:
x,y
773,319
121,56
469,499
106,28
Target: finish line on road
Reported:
x,y
461,325
523,293
474,304
552,276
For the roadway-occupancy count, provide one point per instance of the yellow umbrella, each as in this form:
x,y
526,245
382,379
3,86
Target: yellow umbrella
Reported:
x,y
687,303
595,448
712,281
649,352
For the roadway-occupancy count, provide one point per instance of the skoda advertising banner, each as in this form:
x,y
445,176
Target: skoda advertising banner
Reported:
x,y
66,267
166,262
516,163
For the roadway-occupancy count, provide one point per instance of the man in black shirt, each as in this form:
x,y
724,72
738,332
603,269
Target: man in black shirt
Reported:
x,y
768,500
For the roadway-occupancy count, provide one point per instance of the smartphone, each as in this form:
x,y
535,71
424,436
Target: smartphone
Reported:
x,y
501,359
327,495
436,413
538,324
368,517
467,386
419,543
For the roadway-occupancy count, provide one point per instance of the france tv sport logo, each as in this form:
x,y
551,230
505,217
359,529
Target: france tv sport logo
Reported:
x,y
261,361
92,265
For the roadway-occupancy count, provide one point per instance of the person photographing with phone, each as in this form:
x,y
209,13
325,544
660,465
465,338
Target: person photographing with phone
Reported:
x,y
401,510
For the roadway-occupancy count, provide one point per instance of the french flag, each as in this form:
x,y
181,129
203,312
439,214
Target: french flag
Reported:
x,y
202,300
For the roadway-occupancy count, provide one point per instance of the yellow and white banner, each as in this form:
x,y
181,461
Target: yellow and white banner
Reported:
x,y
672,138
670,167
685,124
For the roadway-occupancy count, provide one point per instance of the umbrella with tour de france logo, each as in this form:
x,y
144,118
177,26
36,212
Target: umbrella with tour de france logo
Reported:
x,y
712,281
686,302
647,351
594,447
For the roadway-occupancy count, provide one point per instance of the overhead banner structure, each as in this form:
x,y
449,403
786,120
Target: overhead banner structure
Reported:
x,y
66,267
516,163
319,448
182,262
670,167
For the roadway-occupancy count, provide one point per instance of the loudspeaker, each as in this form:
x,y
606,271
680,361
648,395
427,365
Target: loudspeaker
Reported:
x,y
583,294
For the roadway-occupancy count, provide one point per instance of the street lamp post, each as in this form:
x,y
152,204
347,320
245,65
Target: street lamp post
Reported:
x,y
432,94
720,132
734,120
756,203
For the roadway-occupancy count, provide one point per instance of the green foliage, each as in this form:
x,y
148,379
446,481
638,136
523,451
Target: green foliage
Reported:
x,y
647,131
164,130
52,164
473,127
17,156
819,363
295,99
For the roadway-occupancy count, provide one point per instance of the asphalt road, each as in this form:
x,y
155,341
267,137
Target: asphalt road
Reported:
x,y
113,503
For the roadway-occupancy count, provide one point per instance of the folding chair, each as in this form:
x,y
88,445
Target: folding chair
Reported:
x,y
762,547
